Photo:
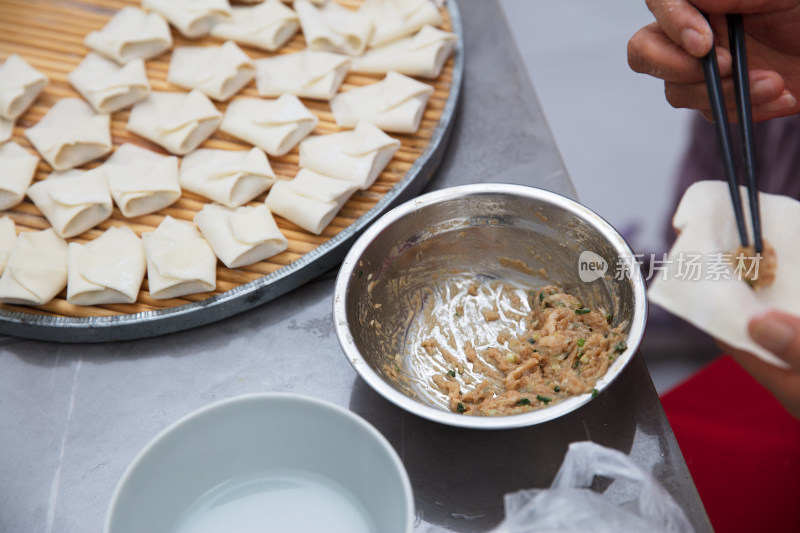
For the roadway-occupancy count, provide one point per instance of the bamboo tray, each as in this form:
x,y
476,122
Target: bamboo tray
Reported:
x,y
49,35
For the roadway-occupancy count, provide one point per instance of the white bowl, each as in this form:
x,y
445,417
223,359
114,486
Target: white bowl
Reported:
x,y
294,463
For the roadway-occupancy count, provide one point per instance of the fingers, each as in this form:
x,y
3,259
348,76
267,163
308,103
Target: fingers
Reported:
x,y
780,334
783,383
765,86
684,24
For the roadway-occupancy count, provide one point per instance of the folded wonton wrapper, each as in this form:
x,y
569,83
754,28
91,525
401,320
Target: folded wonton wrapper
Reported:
x,y
107,86
357,156
422,55
141,181
17,168
310,200
229,177
275,126
193,18
309,74
394,19
8,235
70,134
333,28
723,307
177,121
131,34
267,26
73,201
20,84
6,129
241,236
37,269
218,71
107,270
179,260
394,104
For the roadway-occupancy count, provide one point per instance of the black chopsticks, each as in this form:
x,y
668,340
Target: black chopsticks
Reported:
x,y
744,111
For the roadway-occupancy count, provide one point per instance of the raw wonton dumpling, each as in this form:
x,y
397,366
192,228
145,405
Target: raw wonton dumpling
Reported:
x,y
108,86
141,181
394,19
357,156
37,269
310,200
107,270
394,104
6,129
177,121
275,126
241,236
267,26
131,34
73,201
333,28
309,74
8,235
229,177
179,260
70,134
17,168
193,18
218,71
709,294
422,55
20,84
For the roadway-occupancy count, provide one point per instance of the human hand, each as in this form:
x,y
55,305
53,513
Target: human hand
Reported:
x,y
669,49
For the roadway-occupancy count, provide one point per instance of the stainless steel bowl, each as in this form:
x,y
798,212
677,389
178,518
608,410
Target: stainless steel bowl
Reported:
x,y
522,235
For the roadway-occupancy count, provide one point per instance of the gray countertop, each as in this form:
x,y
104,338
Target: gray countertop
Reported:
x,y
73,416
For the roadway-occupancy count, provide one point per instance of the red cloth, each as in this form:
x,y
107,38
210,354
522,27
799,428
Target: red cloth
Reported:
x,y
742,448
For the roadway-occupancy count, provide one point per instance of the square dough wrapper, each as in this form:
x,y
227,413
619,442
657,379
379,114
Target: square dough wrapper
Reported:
x,y
179,122
241,236
141,181
179,260
218,71
107,270
357,156
394,104
107,86
266,26
20,84
8,236
193,18
73,201
394,19
18,168
422,55
275,126
333,28
131,34
310,200
228,177
310,74
71,134
37,269
723,307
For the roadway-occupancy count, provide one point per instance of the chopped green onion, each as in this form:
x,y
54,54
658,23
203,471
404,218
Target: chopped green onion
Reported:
x,y
456,313
557,388
595,392
523,401
581,341
576,364
460,407
609,318
532,340
620,347
541,297
451,373
543,399
360,273
583,311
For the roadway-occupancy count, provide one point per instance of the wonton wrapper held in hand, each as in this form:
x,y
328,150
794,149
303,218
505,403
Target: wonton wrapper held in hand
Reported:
x,y
179,122
394,104
266,26
179,260
310,200
73,201
37,269
309,74
218,71
107,270
394,19
8,236
193,18
107,86
17,168
275,126
229,177
71,134
241,236
141,181
723,307
422,55
131,34
20,84
333,28
356,156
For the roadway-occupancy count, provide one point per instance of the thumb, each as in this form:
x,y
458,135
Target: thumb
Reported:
x,y
780,334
